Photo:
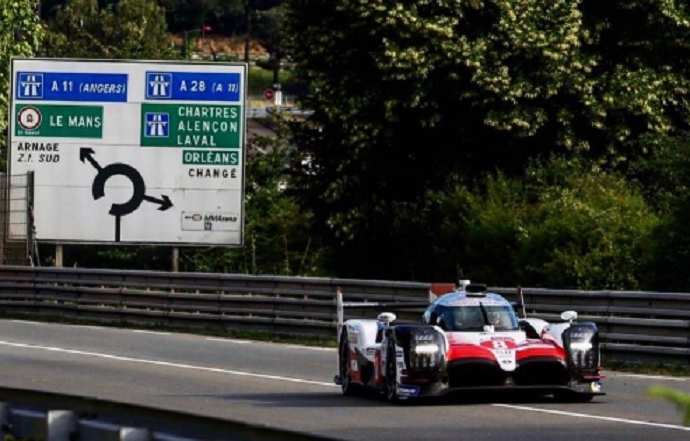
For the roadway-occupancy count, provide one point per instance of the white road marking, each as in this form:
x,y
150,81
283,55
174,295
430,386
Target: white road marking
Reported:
x,y
144,331
220,339
312,348
284,345
596,417
650,377
229,340
166,363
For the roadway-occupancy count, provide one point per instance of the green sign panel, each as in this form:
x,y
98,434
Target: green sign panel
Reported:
x,y
59,121
191,125
210,157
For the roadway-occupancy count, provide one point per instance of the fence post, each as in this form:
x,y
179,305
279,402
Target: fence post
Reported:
x,y
4,208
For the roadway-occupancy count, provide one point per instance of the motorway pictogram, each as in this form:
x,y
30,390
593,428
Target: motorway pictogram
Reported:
x,y
139,186
30,85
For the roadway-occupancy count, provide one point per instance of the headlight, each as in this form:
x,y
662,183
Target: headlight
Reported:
x,y
580,346
426,350
429,348
581,342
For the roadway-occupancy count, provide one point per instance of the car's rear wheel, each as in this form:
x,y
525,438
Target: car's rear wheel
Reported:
x,y
391,383
346,384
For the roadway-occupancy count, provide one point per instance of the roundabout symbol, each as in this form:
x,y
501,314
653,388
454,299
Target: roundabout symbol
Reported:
x,y
138,184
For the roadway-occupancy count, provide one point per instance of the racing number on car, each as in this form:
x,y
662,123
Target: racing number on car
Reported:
x,y
499,344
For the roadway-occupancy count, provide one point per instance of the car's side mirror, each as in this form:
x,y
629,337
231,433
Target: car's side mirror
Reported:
x,y
386,318
568,316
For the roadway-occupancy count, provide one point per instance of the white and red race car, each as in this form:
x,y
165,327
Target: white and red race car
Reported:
x,y
468,339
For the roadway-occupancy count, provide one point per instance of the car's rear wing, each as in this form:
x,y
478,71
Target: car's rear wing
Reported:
x,y
342,305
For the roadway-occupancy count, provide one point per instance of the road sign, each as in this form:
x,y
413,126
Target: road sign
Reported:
x,y
186,125
269,94
145,152
59,121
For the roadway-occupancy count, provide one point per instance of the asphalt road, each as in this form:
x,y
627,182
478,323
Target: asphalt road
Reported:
x,y
288,386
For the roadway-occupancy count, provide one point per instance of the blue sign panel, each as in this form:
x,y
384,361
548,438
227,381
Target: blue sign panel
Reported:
x,y
193,86
157,125
64,86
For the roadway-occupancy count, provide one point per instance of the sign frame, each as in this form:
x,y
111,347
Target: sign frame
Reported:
x,y
213,189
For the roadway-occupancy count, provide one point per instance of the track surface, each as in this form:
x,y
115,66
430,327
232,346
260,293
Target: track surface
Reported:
x,y
291,387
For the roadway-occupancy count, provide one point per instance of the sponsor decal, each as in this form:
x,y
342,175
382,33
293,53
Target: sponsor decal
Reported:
x,y
504,351
497,342
457,300
353,338
407,390
354,366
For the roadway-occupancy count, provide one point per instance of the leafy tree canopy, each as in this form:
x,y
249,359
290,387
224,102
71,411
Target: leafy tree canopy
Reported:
x,y
413,96
127,30
20,36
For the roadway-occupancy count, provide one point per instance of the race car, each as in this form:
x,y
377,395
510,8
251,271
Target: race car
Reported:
x,y
468,339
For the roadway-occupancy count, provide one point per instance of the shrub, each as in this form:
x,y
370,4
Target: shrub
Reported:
x,y
565,224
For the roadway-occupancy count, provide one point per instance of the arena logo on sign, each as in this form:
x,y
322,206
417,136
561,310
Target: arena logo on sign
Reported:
x,y
29,118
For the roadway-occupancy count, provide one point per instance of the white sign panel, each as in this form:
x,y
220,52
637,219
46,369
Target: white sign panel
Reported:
x,y
130,151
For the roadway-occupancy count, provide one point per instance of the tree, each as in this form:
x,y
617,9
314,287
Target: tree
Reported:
x,y
415,96
224,16
130,29
270,34
20,36
564,223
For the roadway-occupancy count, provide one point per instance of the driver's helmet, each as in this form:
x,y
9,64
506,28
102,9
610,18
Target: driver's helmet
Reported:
x,y
468,318
499,319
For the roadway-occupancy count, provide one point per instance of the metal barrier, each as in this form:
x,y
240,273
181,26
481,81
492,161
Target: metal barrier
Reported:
x,y
29,414
634,325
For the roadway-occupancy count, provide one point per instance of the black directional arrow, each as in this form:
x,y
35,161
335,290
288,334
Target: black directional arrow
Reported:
x,y
86,153
138,196
164,201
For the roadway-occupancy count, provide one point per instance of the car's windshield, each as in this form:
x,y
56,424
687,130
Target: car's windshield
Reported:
x,y
473,318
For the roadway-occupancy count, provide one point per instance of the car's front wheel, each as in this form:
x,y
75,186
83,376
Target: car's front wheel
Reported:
x,y
391,383
346,384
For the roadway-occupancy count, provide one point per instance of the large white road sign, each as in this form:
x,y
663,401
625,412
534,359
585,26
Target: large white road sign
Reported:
x,y
131,152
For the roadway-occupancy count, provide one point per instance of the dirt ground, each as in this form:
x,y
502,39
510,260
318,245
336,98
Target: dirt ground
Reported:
x,y
209,43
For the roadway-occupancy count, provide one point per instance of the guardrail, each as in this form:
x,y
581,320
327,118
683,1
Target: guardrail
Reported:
x,y
265,112
633,325
29,414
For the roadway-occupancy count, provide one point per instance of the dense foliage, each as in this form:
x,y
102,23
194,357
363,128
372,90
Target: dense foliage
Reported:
x,y
417,98
21,34
563,223
129,29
